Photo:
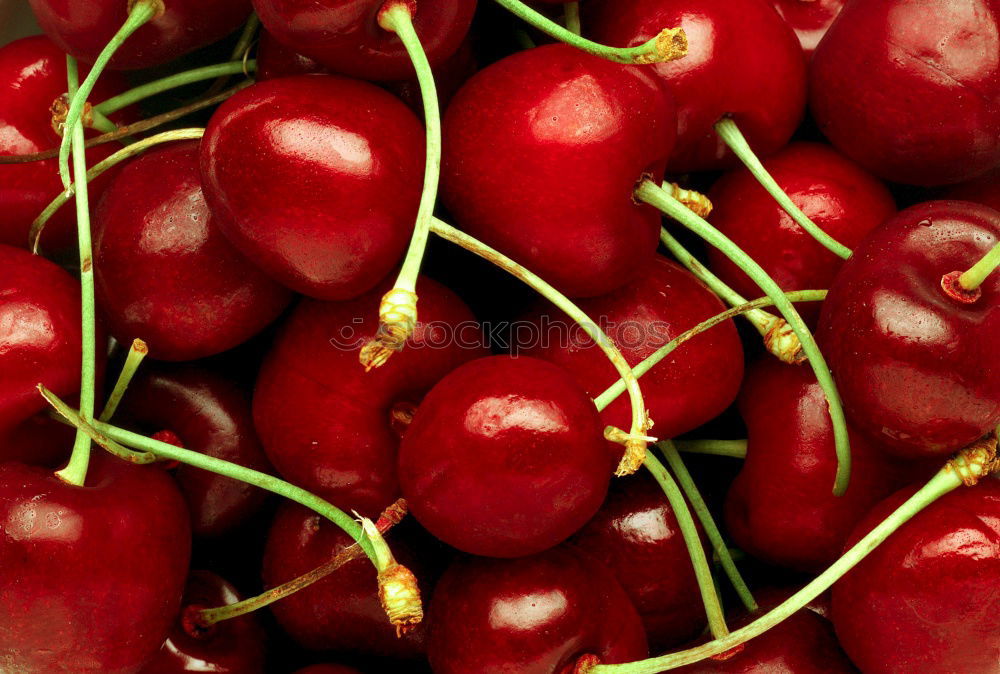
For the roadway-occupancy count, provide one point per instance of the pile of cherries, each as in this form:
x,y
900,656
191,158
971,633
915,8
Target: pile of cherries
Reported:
x,y
452,457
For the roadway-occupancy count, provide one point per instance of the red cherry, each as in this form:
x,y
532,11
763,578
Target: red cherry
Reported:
x,y
92,576
164,271
693,385
911,89
534,615
325,423
543,151
275,60
983,190
316,179
84,27
932,589
327,669
235,646
636,535
838,195
344,35
743,61
39,441
810,19
524,466
916,368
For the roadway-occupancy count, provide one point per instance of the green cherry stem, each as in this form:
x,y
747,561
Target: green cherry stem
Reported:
x,y
398,309
971,279
240,53
694,497
99,122
573,17
652,194
734,449
142,92
635,441
670,44
140,13
731,135
136,353
66,414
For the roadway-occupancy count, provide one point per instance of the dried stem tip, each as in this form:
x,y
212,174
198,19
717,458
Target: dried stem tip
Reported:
x,y
635,449
398,591
397,321
977,460
696,202
60,111
781,340
670,45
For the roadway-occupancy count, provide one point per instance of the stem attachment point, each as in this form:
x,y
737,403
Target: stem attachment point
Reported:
x,y
397,319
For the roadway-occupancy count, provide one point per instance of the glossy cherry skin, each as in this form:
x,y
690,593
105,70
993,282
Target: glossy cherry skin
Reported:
x,y
842,199
505,457
91,576
911,89
743,61
32,76
810,19
543,152
636,536
325,423
83,27
344,35
164,271
211,415
983,190
932,589
316,179
688,388
915,367
533,615
232,646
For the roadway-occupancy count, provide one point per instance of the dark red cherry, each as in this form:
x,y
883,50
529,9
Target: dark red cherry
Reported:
x,y
636,536
209,414
932,589
233,646
810,19
534,615
691,386
38,441
983,190
910,89
329,426
32,77
914,366
92,576
164,271
276,60
83,27
344,35
316,179
505,457
843,199
743,61
342,611
327,669
543,152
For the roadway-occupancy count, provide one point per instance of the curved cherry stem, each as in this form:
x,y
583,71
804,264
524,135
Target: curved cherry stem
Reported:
x,y
142,92
136,353
694,497
140,13
971,279
731,135
635,444
652,194
669,45
572,10
734,449
66,414
240,53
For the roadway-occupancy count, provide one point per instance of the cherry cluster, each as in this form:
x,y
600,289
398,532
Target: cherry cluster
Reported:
x,y
743,415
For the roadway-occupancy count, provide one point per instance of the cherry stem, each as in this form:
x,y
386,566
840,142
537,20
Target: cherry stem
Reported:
x,y
731,135
670,44
132,96
140,13
973,278
38,226
573,17
99,122
652,194
702,569
240,53
136,353
734,449
647,364
694,497
635,445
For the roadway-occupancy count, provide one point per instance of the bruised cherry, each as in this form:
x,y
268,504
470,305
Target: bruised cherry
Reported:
x,y
810,19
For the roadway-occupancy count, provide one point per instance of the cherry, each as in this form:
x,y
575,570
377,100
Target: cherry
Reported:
x,y
211,415
32,77
911,90
345,36
543,151
83,27
914,366
525,467
275,60
534,615
983,190
325,423
932,589
690,387
235,646
838,195
316,179
327,669
164,271
636,535
810,19
91,576
743,62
